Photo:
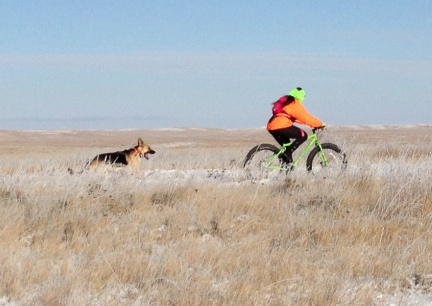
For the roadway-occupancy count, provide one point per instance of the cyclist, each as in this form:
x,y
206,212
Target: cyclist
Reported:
x,y
288,110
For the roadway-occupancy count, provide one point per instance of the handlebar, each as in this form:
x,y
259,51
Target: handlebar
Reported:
x,y
318,128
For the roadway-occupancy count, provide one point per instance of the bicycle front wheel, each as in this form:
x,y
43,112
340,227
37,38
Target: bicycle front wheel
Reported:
x,y
329,162
262,162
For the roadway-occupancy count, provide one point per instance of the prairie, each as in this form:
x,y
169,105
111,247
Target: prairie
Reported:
x,y
188,228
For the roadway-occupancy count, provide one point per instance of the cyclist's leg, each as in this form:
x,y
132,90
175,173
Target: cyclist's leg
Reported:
x,y
284,135
281,139
299,135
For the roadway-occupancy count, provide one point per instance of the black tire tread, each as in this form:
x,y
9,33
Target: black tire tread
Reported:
x,y
325,146
257,148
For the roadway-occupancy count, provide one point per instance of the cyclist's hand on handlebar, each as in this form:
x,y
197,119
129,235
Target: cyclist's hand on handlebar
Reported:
x,y
322,127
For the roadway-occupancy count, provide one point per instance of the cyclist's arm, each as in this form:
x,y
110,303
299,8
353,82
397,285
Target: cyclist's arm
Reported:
x,y
302,116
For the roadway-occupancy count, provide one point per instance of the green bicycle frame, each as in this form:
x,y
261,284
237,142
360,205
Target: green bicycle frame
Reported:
x,y
313,141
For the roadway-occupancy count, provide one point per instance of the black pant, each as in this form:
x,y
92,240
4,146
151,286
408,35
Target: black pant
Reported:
x,y
283,136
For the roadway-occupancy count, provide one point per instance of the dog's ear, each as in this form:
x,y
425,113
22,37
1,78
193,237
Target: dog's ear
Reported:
x,y
140,142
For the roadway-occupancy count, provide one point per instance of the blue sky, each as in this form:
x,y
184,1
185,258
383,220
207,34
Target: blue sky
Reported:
x,y
149,64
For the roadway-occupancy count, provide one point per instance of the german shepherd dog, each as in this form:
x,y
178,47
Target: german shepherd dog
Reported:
x,y
130,157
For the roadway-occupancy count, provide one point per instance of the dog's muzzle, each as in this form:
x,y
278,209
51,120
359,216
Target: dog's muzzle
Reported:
x,y
145,155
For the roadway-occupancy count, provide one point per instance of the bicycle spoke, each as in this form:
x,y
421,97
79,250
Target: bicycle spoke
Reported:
x,y
263,164
329,162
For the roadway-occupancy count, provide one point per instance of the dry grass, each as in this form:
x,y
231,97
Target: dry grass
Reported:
x,y
121,238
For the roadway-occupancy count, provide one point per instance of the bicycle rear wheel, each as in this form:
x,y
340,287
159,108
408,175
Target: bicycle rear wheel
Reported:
x,y
262,162
330,162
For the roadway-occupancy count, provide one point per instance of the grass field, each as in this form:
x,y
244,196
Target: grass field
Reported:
x,y
188,228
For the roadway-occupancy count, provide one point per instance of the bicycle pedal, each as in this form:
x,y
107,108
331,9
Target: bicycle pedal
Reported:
x,y
289,167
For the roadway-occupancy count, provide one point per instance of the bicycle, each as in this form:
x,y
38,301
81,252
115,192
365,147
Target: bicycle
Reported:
x,y
265,160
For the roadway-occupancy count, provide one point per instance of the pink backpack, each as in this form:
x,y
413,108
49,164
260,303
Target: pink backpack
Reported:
x,y
279,105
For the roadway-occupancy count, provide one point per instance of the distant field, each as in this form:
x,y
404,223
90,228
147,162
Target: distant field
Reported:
x,y
188,228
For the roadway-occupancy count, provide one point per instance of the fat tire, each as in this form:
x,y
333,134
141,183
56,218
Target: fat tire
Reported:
x,y
257,148
326,146
256,167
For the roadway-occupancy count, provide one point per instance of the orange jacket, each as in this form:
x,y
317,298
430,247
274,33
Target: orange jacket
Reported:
x,y
293,112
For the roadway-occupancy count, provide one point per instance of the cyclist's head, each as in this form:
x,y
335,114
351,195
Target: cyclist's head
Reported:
x,y
298,93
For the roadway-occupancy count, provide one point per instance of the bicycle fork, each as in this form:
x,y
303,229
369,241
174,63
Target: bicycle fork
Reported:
x,y
322,155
